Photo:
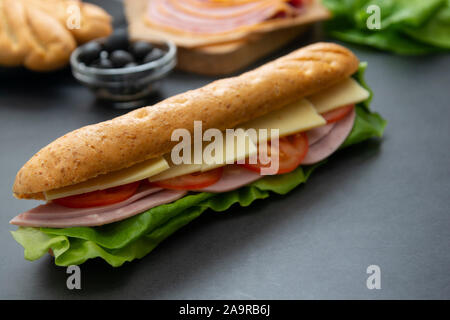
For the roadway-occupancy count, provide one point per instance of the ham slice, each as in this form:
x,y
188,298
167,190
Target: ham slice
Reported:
x,y
52,210
315,135
331,142
212,17
233,178
92,217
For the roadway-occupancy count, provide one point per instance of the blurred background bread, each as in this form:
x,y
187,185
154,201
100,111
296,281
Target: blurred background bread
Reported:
x,y
41,34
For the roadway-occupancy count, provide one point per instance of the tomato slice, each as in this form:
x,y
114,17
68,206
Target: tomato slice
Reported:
x,y
337,114
292,151
100,197
300,143
192,181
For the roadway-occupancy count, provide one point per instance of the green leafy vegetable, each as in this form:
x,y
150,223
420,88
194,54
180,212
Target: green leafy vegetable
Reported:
x,y
135,237
408,27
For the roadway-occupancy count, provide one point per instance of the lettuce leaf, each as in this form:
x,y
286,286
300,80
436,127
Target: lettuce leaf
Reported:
x,y
408,27
135,237
436,31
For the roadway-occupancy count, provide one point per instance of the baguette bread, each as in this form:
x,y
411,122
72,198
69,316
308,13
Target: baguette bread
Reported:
x,y
145,133
34,33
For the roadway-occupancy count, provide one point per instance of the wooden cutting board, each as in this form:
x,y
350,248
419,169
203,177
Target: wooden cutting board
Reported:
x,y
212,58
229,58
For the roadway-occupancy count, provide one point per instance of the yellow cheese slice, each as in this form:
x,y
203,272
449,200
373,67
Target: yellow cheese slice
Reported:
x,y
296,117
347,92
228,156
176,171
137,172
242,148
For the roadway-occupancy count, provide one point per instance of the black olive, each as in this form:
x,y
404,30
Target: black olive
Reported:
x,y
120,58
117,41
103,63
90,52
140,49
154,55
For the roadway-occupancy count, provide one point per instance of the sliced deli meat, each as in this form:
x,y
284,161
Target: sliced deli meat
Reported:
x,y
332,141
92,218
233,178
210,17
52,210
315,135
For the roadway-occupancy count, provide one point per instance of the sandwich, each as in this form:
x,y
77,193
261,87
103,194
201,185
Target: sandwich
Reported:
x,y
41,34
116,189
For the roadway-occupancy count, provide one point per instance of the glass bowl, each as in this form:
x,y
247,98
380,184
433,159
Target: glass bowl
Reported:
x,y
125,87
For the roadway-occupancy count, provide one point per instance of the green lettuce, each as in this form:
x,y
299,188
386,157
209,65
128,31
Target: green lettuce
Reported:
x,y
135,237
408,27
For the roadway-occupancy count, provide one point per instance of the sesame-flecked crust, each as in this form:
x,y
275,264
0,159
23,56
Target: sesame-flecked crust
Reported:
x,y
145,133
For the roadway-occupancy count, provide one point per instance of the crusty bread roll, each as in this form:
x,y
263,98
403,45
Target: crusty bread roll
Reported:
x,y
50,45
95,23
145,133
34,33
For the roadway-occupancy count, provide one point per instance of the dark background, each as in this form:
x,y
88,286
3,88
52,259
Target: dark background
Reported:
x,y
383,203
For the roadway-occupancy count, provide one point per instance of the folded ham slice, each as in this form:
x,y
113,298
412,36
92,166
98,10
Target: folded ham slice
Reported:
x,y
51,210
331,142
233,178
212,17
315,135
54,216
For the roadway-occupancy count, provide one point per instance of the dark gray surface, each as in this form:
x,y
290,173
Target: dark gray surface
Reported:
x,y
378,203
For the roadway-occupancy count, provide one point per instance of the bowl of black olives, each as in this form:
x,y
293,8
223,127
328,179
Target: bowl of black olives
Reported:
x,y
122,71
